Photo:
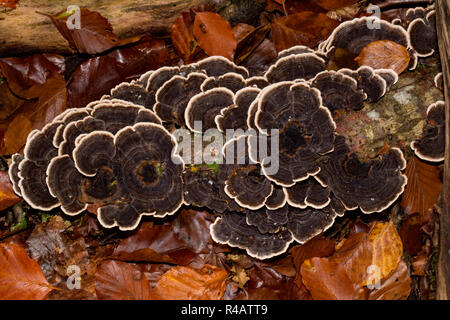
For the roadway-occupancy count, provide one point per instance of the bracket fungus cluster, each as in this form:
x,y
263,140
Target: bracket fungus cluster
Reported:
x,y
431,145
284,175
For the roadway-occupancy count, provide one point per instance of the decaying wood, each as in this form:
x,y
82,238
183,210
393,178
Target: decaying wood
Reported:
x,y
443,268
24,31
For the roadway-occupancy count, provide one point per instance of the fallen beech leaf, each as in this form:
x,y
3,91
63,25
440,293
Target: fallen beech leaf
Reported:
x,y
154,244
96,76
326,280
303,28
412,233
214,35
250,42
9,102
9,3
35,114
95,34
7,196
316,247
423,188
183,38
21,278
241,30
25,75
397,286
116,280
261,58
185,283
384,54
418,264
295,6
266,283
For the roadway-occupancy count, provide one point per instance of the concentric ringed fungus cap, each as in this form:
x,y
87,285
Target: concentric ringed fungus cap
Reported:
x,y
371,82
173,97
145,171
422,35
295,67
205,106
231,80
305,131
372,185
308,193
215,66
13,172
431,146
245,183
232,229
339,91
235,116
268,221
354,35
439,81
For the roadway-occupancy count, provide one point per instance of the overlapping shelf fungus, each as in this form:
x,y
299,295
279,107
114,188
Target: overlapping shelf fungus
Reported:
x,y
134,152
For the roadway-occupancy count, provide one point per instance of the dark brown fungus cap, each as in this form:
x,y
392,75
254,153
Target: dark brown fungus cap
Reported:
x,y
305,127
422,35
231,80
372,185
355,34
414,13
295,67
305,224
431,145
205,106
277,199
373,85
203,188
339,91
268,221
13,172
235,116
156,80
64,183
245,183
144,169
216,66
389,76
70,115
38,152
294,50
257,82
308,193
134,93
439,81
172,98
143,79
232,229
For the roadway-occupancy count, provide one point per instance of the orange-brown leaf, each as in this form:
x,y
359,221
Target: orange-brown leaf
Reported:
x,y
423,188
116,280
303,28
214,35
95,34
21,277
207,283
326,279
384,54
396,287
183,38
9,3
7,195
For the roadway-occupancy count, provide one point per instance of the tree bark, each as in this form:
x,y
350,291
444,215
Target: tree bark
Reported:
x,y
443,267
23,31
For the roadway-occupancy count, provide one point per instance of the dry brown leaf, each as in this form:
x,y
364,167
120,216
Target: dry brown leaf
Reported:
x,y
326,280
384,54
335,4
248,44
214,35
183,38
95,34
423,188
116,280
35,114
9,3
186,283
303,28
7,195
21,278
396,287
